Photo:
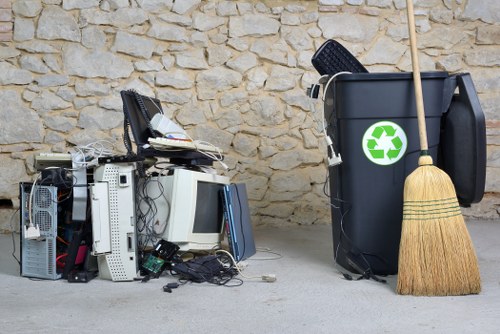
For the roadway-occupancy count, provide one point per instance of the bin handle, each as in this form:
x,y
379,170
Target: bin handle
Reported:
x,y
417,81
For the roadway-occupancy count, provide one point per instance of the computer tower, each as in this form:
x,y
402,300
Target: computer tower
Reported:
x,y
38,256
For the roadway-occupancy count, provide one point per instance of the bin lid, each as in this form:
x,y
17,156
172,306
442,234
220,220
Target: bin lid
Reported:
x,y
390,76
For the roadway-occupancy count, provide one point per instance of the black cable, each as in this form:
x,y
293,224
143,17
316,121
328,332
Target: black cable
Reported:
x,y
13,237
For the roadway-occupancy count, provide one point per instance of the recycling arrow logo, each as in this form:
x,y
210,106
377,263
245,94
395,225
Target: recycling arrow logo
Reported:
x,y
384,143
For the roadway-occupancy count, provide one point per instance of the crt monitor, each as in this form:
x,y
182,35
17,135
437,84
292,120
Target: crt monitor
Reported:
x,y
195,220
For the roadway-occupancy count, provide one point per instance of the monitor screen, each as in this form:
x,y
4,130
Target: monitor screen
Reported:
x,y
208,217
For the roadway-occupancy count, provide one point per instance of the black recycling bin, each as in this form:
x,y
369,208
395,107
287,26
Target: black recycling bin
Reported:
x,y
372,121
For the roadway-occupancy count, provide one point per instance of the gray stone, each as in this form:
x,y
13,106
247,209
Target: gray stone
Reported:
x,y
60,123
488,35
252,25
244,8
309,17
114,4
239,44
8,52
11,172
441,16
48,101
79,4
244,62
121,18
265,111
33,63
175,78
184,6
56,23
290,19
485,10
168,32
167,61
217,137
450,63
218,55
245,145
52,62
138,85
486,80
37,47
193,59
27,8
226,8
24,125
93,37
170,95
257,77
80,102
24,29
133,45
181,20
295,8
290,181
282,78
203,22
297,38
442,38
230,118
155,5
66,93
310,140
91,87
291,159
355,2
385,51
148,66
111,103
90,64
95,118
86,136
229,98
397,32
297,98
199,39
483,56
379,3
217,37
52,80
11,75
53,137
217,79
362,29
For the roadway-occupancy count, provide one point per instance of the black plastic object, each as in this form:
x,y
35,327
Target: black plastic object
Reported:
x,y
463,143
366,197
332,57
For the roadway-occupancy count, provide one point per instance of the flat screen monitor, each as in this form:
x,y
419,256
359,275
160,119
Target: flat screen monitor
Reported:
x,y
195,217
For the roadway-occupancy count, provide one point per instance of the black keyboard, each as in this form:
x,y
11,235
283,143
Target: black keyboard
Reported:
x,y
332,58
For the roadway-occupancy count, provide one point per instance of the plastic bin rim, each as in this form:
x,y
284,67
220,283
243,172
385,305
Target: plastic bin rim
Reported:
x,y
389,76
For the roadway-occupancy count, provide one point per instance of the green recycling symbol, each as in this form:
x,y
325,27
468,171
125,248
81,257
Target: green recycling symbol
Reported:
x,y
384,143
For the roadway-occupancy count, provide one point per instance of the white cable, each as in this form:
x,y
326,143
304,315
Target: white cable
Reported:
x,y
266,278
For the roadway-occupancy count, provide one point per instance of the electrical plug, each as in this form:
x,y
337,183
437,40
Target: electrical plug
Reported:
x,y
31,231
269,278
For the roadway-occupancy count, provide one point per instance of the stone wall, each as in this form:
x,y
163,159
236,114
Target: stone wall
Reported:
x,y
233,73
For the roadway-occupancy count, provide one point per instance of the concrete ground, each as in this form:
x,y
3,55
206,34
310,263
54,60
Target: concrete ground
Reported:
x,y
309,296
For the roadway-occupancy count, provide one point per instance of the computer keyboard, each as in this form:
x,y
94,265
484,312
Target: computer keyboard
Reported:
x,y
161,143
332,58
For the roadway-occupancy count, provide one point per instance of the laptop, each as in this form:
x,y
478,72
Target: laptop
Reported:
x,y
139,110
239,225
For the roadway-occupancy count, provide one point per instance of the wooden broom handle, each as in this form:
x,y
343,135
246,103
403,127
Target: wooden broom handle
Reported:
x,y
417,81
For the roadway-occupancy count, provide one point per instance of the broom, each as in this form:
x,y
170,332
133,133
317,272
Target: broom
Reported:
x,y
436,255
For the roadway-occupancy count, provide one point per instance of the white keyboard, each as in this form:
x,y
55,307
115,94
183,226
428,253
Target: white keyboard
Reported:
x,y
163,144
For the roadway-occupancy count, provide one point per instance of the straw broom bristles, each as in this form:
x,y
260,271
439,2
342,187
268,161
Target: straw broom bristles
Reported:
x,y
436,255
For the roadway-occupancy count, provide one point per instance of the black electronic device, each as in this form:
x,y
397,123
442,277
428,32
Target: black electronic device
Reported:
x,y
332,57
202,269
160,258
138,111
